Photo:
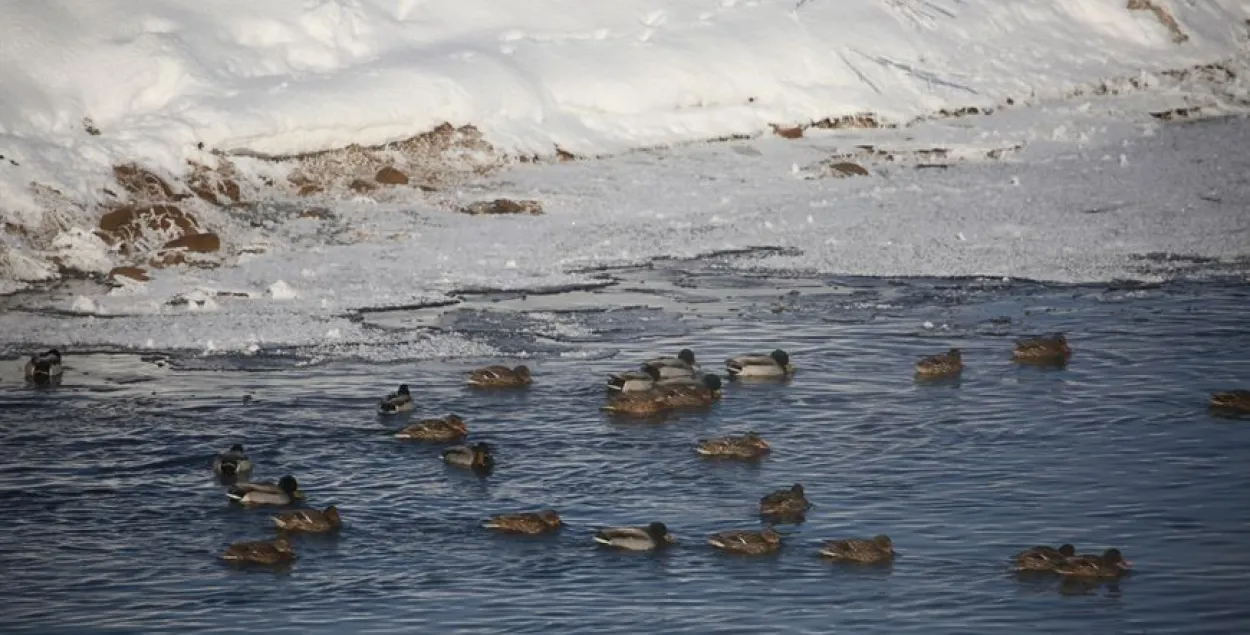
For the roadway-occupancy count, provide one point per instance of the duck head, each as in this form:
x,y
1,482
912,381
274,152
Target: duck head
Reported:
x,y
482,457
956,355
752,439
797,490
403,390
659,532
1113,558
1066,550
522,371
686,355
283,544
456,422
332,515
550,517
712,382
289,485
883,542
770,536
781,357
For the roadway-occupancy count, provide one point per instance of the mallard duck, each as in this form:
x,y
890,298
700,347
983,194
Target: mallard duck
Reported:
x,y
634,381
310,520
641,404
285,492
449,428
689,394
774,364
1233,400
653,536
1111,564
1043,558
681,366
269,552
1042,350
752,543
397,402
44,368
947,364
233,463
747,446
477,457
500,377
785,502
526,523
878,549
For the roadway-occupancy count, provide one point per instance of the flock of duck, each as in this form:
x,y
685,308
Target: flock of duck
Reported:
x,y
660,385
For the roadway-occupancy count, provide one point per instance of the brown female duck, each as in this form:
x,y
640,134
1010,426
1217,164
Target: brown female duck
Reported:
x,y
694,394
948,364
477,457
879,549
785,502
1043,350
747,542
449,428
268,552
1111,564
748,446
500,377
1043,558
525,523
312,521
1232,401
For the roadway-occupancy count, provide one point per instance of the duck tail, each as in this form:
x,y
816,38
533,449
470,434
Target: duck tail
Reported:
x,y
601,539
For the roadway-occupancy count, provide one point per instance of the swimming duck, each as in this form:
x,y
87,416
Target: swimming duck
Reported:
x,y
500,377
285,492
1043,558
526,523
681,366
396,402
947,364
262,552
634,381
1111,564
689,394
449,428
747,446
642,404
1043,350
1234,400
44,368
752,543
785,502
879,549
476,457
653,536
310,520
774,364
233,463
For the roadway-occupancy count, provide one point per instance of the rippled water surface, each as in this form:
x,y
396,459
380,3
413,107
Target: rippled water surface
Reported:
x,y
114,523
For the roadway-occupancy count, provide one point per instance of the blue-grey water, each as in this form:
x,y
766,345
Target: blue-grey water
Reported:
x,y
113,522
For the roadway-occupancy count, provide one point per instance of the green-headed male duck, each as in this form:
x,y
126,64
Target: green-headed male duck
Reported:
x,y
44,368
396,402
1233,401
285,492
748,446
476,457
233,464
653,536
1048,351
449,428
312,521
1043,557
863,551
268,552
634,381
681,366
747,542
947,364
1111,564
525,523
775,364
790,502
500,377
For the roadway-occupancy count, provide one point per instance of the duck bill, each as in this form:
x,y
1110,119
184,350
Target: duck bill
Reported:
x,y
790,368
298,495
1124,564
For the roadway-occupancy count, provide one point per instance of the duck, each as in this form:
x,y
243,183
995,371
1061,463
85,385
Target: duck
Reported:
x,y
1233,400
863,551
449,428
947,364
1043,557
690,394
500,377
310,520
747,542
1042,350
785,502
681,366
268,552
397,402
653,536
634,381
640,404
775,364
476,457
748,446
233,463
44,368
525,523
1111,564
285,492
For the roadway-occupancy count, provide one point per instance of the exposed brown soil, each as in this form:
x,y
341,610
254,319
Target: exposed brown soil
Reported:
x,y
1162,15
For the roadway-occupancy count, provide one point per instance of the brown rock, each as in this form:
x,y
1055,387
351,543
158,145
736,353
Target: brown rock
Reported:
x,y
134,273
308,189
391,176
205,243
129,221
168,259
791,132
504,206
844,169
362,186
142,184
565,155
